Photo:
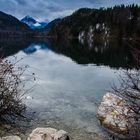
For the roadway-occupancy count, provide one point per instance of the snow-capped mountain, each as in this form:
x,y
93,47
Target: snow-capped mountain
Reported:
x,y
32,23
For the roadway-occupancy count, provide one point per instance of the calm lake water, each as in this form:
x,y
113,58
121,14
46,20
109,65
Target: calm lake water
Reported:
x,y
71,78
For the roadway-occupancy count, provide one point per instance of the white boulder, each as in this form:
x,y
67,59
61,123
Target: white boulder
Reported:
x,y
115,114
11,138
48,134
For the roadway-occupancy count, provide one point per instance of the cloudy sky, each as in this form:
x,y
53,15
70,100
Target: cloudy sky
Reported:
x,y
47,10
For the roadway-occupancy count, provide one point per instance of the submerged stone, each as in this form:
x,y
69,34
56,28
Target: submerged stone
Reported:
x,y
115,114
11,138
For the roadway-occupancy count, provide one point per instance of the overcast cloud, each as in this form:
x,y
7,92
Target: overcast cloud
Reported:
x,y
47,10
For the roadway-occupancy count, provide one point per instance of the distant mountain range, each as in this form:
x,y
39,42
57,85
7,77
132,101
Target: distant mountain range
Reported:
x,y
11,26
85,24
32,23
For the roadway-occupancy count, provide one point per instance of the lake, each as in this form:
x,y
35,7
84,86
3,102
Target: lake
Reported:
x,y
71,78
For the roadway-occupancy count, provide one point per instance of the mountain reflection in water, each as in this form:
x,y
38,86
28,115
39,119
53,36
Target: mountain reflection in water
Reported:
x,y
71,76
112,53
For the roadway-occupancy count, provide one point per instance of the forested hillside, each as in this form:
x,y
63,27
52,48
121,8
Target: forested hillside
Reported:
x,y
11,26
119,21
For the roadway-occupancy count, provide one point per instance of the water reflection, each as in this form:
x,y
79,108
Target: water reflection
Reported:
x,y
11,46
65,92
113,53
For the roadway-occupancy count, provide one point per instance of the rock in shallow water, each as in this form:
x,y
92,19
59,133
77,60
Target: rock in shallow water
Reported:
x,y
48,134
11,138
115,115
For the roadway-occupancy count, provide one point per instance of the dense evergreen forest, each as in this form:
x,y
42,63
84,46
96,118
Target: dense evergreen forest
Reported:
x,y
118,21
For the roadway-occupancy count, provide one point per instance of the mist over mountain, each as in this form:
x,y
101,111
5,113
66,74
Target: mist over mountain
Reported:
x,y
32,23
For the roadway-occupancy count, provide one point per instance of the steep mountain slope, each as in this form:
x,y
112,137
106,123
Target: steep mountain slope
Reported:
x,y
11,26
119,21
45,31
32,23
8,21
51,24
